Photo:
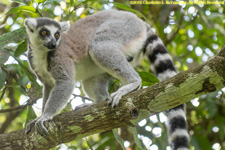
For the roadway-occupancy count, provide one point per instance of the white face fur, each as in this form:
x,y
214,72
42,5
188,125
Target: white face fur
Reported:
x,y
45,33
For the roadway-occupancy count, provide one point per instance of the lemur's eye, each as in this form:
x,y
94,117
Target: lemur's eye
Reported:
x,y
57,35
44,33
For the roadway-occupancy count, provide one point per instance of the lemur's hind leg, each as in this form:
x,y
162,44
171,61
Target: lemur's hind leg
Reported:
x,y
97,88
108,56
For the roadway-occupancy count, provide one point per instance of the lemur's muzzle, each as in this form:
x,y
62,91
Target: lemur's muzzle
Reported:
x,y
51,45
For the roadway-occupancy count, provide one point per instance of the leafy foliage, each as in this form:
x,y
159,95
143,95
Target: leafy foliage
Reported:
x,y
192,34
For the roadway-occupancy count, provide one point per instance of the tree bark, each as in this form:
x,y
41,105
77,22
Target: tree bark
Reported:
x,y
133,107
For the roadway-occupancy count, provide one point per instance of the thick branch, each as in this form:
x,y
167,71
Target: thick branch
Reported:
x,y
65,127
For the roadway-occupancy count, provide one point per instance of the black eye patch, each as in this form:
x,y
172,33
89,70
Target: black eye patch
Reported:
x,y
57,35
44,32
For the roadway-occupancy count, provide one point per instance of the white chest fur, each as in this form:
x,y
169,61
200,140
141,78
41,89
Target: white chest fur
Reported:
x,y
40,66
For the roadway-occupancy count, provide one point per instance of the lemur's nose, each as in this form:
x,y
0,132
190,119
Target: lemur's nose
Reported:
x,y
51,44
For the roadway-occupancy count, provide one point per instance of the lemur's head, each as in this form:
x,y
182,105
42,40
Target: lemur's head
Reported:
x,y
45,32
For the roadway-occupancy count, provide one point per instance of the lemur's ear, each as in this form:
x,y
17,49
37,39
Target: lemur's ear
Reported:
x,y
30,23
64,25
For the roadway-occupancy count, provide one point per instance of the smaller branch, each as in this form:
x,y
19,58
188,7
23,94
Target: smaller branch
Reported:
x,y
171,38
37,11
14,4
4,21
191,21
29,103
82,97
8,78
3,93
175,33
221,96
74,8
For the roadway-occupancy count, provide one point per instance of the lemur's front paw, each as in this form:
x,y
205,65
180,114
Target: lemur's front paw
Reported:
x,y
114,101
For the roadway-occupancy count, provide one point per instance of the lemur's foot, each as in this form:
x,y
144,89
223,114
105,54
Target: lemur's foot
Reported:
x,y
39,125
30,125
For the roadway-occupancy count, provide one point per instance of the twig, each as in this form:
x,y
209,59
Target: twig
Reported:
x,y
221,96
8,78
20,107
37,11
179,27
14,4
191,21
86,98
3,93
175,33
74,8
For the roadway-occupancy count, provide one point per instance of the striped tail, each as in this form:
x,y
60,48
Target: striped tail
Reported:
x,y
162,66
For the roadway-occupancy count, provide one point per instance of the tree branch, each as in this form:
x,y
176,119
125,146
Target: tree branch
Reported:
x,y
133,107
29,103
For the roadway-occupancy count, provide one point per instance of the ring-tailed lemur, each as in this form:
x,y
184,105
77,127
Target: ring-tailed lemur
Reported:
x,y
107,44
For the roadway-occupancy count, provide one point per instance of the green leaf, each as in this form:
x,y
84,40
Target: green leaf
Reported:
x,y
23,80
203,142
12,37
146,83
30,114
27,71
52,1
40,1
127,8
220,124
3,78
123,6
14,68
21,8
28,9
148,78
118,138
137,141
93,1
72,2
4,56
22,47
13,10
19,1
29,74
